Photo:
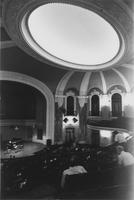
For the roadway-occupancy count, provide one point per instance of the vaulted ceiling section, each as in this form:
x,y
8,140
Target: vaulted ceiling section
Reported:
x,y
19,56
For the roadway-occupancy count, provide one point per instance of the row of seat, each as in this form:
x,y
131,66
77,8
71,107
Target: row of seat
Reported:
x,y
47,166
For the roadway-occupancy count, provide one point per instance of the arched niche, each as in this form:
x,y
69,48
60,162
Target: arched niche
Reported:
x,y
92,105
116,105
70,102
95,105
119,90
70,105
25,79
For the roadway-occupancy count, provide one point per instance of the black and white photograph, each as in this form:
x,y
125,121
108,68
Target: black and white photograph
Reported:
x,y
67,99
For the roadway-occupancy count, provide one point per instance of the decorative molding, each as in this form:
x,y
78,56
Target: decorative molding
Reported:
x,y
94,92
60,99
126,84
60,96
119,87
82,97
70,93
28,80
116,90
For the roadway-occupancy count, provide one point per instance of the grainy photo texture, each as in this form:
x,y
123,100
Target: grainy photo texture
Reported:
x,y
67,99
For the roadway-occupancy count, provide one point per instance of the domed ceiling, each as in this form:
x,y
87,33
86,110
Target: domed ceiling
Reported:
x,y
78,39
80,35
55,42
104,81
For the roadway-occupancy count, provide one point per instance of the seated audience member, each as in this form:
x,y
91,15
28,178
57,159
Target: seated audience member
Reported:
x,y
121,139
73,169
126,161
73,146
124,158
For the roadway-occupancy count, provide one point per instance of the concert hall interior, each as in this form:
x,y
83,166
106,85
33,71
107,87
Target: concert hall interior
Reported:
x,y
67,99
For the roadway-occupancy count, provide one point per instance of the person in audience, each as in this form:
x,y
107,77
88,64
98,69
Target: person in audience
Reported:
x,y
124,158
126,162
73,169
73,146
121,139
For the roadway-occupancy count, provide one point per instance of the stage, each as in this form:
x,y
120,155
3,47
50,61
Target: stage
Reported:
x,y
29,149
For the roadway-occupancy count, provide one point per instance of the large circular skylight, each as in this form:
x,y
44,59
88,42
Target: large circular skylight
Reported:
x,y
71,36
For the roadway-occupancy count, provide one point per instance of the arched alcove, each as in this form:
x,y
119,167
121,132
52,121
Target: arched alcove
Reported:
x,y
28,80
70,105
95,105
116,105
18,101
22,111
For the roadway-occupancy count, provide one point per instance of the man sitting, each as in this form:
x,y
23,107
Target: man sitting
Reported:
x,y
73,169
124,158
126,162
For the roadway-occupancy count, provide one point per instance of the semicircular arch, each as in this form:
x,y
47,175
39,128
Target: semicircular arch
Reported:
x,y
28,80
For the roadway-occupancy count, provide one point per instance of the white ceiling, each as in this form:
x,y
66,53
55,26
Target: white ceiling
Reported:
x,y
73,34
